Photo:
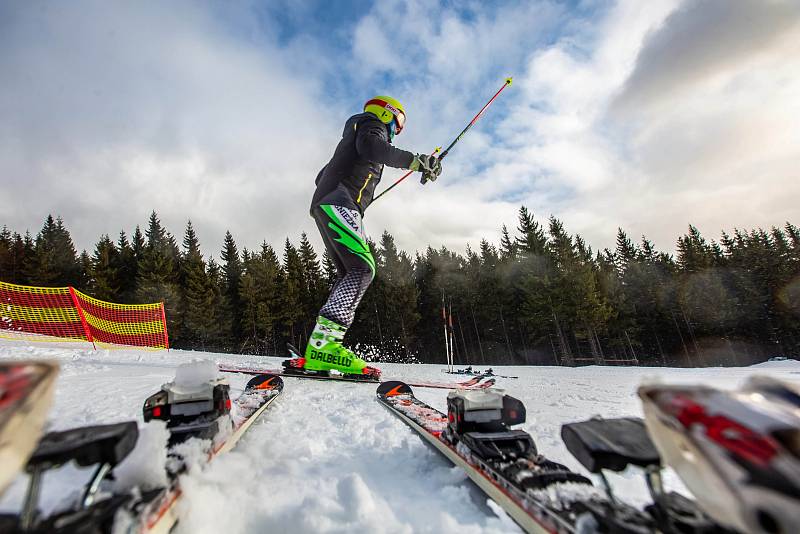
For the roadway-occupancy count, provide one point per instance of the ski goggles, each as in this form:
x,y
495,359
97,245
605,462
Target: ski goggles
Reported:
x,y
399,122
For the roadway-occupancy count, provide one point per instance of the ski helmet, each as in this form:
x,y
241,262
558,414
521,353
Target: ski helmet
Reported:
x,y
387,109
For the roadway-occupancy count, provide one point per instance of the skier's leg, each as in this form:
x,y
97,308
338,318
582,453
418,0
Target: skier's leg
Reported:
x,y
343,235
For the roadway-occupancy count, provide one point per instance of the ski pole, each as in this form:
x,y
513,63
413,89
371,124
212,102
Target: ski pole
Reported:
x,y
446,345
456,140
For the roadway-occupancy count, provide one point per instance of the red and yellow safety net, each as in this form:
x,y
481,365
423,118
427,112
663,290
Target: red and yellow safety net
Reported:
x,y
65,313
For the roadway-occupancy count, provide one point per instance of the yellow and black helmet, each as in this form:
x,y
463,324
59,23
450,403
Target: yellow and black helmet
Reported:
x,y
387,109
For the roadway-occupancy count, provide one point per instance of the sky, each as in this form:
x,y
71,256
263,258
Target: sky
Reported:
x,y
643,115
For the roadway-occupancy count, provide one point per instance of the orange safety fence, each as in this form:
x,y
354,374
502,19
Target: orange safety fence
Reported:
x,y
44,313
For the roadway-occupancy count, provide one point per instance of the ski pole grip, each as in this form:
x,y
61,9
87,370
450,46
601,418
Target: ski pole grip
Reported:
x,y
422,178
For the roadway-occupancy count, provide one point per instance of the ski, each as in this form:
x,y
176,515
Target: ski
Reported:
x,y
478,382
293,367
737,451
203,410
26,392
157,514
488,373
540,495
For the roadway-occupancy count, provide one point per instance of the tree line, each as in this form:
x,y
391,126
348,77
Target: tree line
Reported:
x,y
540,296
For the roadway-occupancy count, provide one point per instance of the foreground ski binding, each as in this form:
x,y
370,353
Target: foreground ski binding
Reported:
x,y
193,410
102,446
539,494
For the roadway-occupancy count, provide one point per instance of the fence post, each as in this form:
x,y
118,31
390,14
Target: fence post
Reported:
x,y
164,319
83,318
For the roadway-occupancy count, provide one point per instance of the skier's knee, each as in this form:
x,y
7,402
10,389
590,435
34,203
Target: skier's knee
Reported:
x,y
367,274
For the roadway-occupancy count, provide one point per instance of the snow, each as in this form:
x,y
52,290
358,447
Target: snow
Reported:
x,y
196,373
146,466
326,457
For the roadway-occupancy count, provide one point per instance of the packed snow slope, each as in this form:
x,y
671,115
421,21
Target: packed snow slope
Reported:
x,y
326,457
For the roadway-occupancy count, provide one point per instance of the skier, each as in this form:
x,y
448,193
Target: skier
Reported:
x,y
345,188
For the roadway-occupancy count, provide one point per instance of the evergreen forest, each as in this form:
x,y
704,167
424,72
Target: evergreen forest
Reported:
x,y
541,296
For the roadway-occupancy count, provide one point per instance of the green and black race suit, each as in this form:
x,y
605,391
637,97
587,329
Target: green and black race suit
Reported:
x,y
342,232
350,177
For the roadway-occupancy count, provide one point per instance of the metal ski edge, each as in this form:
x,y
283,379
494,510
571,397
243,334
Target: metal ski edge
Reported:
x,y
499,495
165,517
475,383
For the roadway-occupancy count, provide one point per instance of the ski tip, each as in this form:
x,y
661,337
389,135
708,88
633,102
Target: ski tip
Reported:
x,y
265,382
393,388
487,383
293,350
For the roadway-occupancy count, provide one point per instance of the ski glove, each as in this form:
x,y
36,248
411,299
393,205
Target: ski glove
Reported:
x,y
429,166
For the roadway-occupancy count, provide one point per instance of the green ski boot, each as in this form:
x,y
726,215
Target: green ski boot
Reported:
x,y
325,352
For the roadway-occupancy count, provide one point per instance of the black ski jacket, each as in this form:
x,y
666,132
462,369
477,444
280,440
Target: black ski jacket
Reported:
x,y
350,177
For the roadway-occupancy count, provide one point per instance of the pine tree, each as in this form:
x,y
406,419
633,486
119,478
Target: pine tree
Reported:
x,y
531,285
490,295
157,274
138,244
396,301
426,275
625,253
17,257
232,276
260,303
199,318
291,283
126,266
54,261
6,254
104,276
694,254
532,241
313,291
577,300
23,252
221,316
85,271
508,249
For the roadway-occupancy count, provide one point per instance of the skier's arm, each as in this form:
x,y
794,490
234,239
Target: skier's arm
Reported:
x,y
372,145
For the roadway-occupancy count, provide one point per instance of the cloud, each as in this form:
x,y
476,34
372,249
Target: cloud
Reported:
x,y
645,115
110,111
708,41
666,113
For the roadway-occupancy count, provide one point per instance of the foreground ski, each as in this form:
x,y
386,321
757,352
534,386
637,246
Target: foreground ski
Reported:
x,y
157,512
430,423
26,391
737,451
540,495
477,382
100,510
